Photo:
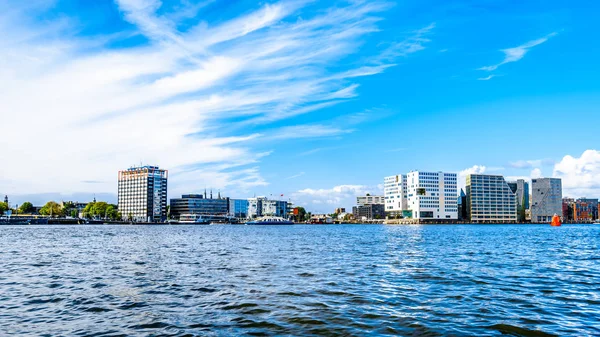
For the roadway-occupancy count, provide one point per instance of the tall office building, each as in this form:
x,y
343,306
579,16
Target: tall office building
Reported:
x,y
546,199
490,199
394,192
432,195
143,194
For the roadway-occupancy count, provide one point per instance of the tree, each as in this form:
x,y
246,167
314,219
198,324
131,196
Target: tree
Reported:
x,y
301,213
74,213
3,208
102,210
26,208
51,208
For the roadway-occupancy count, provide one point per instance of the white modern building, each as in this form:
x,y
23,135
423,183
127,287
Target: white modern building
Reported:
x,y
262,206
143,194
370,200
432,195
394,191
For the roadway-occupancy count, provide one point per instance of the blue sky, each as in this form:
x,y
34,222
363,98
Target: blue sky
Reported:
x,y
316,100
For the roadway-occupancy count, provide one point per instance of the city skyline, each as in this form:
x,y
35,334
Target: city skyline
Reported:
x,y
314,101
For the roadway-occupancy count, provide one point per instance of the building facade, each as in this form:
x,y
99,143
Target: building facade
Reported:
x,y
370,199
142,194
261,206
568,205
432,195
369,211
585,210
546,199
490,199
521,190
198,204
238,208
394,191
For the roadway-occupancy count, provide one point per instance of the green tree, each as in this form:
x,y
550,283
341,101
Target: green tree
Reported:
x,y
101,209
301,213
3,208
51,208
26,208
74,213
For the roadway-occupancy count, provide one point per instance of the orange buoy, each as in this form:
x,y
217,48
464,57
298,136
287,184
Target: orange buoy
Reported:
x,y
555,221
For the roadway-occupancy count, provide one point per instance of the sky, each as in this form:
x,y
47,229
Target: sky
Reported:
x,y
317,101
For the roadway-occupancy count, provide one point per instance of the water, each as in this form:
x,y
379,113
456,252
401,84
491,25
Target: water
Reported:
x,y
299,280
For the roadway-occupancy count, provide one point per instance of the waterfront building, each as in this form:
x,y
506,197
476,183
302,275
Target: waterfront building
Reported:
x,y
546,199
568,205
521,189
142,194
369,211
462,206
262,206
369,199
238,208
340,210
395,191
198,204
490,199
585,210
432,195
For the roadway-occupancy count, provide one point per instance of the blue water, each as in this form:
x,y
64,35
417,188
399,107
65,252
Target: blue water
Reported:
x,y
299,280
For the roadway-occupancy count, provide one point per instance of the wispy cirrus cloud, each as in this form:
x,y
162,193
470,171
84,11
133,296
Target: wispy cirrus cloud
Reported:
x,y
187,100
517,53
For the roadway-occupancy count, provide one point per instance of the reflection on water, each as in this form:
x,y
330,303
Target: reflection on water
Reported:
x,y
300,280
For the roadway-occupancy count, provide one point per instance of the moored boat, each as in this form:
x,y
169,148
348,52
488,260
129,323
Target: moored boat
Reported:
x,y
270,220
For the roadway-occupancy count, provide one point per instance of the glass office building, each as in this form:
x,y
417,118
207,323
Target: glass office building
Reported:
x,y
198,204
490,199
143,194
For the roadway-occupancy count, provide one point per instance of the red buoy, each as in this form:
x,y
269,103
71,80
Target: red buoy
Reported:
x,y
555,221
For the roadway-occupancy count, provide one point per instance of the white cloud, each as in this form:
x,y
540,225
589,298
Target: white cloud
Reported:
x,y
487,78
536,173
527,164
90,110
326,200
517,53
462,175
580,175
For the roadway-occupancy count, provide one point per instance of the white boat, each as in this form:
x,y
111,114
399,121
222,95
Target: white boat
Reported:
x,y
270,220
196,219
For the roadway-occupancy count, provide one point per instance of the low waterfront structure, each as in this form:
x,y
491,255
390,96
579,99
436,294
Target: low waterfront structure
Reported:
x,y
585,210
546,199
198,204
262,206
490,199
238,208
369,211
142,194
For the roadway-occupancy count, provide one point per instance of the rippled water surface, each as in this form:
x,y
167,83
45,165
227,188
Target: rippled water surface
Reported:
x,y
299,280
